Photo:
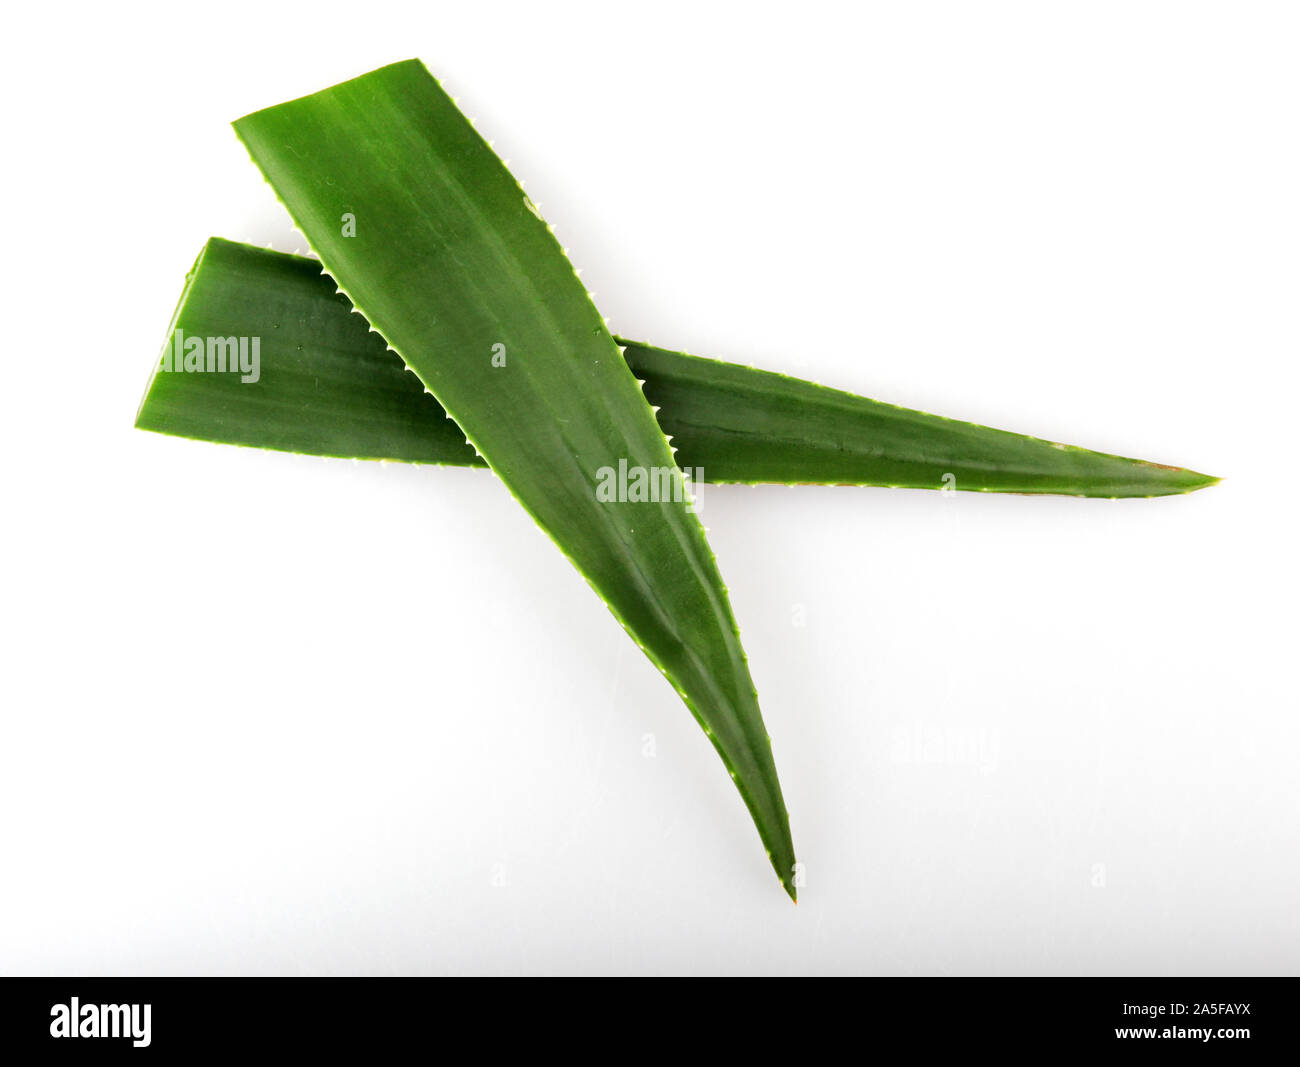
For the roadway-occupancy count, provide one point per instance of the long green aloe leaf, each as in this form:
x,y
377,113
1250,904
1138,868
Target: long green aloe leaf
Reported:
x,y
436,245
326,385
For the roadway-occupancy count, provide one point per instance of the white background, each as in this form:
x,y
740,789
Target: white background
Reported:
x,y
263,713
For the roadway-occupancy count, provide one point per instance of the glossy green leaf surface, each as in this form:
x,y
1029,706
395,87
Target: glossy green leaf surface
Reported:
x,y
329,386
452,264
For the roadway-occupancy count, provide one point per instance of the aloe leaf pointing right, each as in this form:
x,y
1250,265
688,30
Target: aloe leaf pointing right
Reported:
x,y
434,242
328,387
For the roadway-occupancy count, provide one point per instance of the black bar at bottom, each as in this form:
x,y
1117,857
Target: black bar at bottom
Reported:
x,y
381,1017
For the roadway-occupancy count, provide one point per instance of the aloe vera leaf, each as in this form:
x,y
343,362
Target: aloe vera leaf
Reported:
x,y
330,387
448,261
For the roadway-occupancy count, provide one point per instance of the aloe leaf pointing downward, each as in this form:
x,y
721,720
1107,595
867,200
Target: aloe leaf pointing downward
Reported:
x,y
437,247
